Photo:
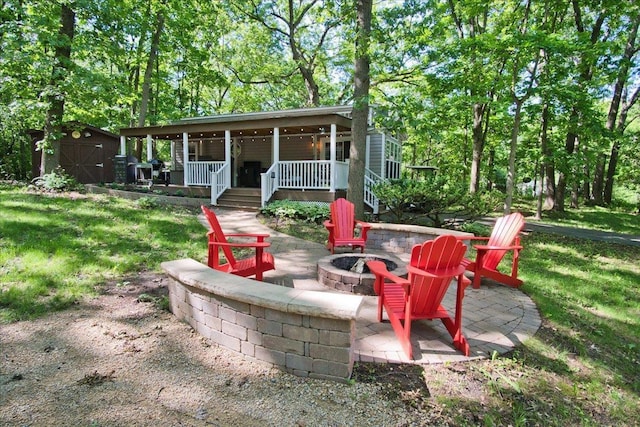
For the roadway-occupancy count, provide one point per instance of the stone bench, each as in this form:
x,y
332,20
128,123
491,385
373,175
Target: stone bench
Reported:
x,y
306,333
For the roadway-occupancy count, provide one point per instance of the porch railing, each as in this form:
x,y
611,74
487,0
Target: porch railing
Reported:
x,y
268,184
305,174
219,183
371,178
199,173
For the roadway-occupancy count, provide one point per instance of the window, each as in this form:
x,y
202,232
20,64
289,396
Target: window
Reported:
x,y
342,150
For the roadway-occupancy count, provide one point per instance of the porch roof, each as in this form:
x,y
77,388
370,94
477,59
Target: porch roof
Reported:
x,y
298,121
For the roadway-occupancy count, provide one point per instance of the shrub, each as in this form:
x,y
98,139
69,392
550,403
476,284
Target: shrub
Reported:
x,y
56,181
289,209
435,198
147,203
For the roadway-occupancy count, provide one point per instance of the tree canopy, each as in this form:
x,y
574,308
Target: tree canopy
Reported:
x,y
492,93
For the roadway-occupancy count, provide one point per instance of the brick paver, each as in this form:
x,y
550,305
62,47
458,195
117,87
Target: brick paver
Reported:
x,y
495,318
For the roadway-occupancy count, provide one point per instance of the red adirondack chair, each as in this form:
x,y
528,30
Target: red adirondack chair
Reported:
x,y
342,226
255,265
432,267
504,237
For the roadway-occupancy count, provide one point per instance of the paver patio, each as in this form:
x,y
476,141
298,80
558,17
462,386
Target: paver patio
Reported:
x,y
495,318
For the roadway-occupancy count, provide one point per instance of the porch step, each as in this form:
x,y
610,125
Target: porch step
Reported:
x,y
242,198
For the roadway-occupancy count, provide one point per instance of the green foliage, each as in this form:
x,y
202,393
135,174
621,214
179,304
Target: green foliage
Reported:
x,y
147,202
57,181
288,209
436,198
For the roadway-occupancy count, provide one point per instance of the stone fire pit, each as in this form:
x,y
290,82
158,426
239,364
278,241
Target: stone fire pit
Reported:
x,y
348,272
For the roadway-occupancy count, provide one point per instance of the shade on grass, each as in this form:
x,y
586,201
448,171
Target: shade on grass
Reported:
x,y
55,250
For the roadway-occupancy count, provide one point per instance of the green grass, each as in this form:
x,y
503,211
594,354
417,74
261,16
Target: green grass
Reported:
x,y
590,217
55,250
587,353
581,368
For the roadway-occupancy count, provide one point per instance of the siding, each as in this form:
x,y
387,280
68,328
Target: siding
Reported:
x,y
375,153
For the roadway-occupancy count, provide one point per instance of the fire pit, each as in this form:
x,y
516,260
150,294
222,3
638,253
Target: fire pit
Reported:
x,y
348,272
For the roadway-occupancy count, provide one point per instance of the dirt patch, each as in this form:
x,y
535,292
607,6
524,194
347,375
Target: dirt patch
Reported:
x,y
120,359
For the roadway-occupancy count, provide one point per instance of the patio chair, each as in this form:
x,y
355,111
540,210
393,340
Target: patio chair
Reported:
x,y
257,264
432,267
504,237
342,227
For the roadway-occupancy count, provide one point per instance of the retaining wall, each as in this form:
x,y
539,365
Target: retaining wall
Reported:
x,y
400,238
307,333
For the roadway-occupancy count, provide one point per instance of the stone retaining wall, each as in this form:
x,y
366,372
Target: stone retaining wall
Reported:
x,y
400,238
306,333
161,198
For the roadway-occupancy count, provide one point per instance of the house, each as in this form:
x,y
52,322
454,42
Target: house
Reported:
x,y
86,152
300,154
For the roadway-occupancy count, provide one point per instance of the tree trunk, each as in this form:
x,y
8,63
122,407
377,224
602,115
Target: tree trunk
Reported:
x,y
492,165
586,66
586,187
569,147
478,146
50,144
623,74
512,155
574,193
360,115
146,81
544,151
574,175
598,180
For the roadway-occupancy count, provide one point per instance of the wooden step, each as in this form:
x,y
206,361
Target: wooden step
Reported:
x,y
241,198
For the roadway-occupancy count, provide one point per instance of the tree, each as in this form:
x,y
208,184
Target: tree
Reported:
x,y
360,114
616,123
50,145
304,28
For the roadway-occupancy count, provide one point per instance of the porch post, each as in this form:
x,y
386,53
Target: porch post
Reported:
x,y
367,155
383,157
332,158
276,155
185,158
149,148
227,156
123,145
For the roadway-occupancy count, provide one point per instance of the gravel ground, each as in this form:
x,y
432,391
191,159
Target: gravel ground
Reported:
x,y
118,359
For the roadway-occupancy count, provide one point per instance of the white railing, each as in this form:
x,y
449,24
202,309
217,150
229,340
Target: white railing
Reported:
x,y
305,174
199,173
371,178
268,184
219,183
393,169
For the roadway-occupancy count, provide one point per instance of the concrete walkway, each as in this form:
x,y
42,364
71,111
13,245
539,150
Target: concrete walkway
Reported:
x,y
495,318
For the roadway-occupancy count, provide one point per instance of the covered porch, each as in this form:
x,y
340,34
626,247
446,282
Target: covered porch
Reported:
x,y
297,150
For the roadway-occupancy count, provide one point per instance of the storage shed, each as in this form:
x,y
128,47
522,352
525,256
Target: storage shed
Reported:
x,y
86,152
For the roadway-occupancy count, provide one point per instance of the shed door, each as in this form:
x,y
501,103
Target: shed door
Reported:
x,y
83,160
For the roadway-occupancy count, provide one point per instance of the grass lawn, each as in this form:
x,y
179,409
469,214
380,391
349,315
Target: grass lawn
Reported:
x,y
54,250
581,368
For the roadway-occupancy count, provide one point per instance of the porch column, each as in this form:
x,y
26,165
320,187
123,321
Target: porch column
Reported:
x,y
276,154
149,148
383,158
227,156
185,158
332,157
367,157
123,145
